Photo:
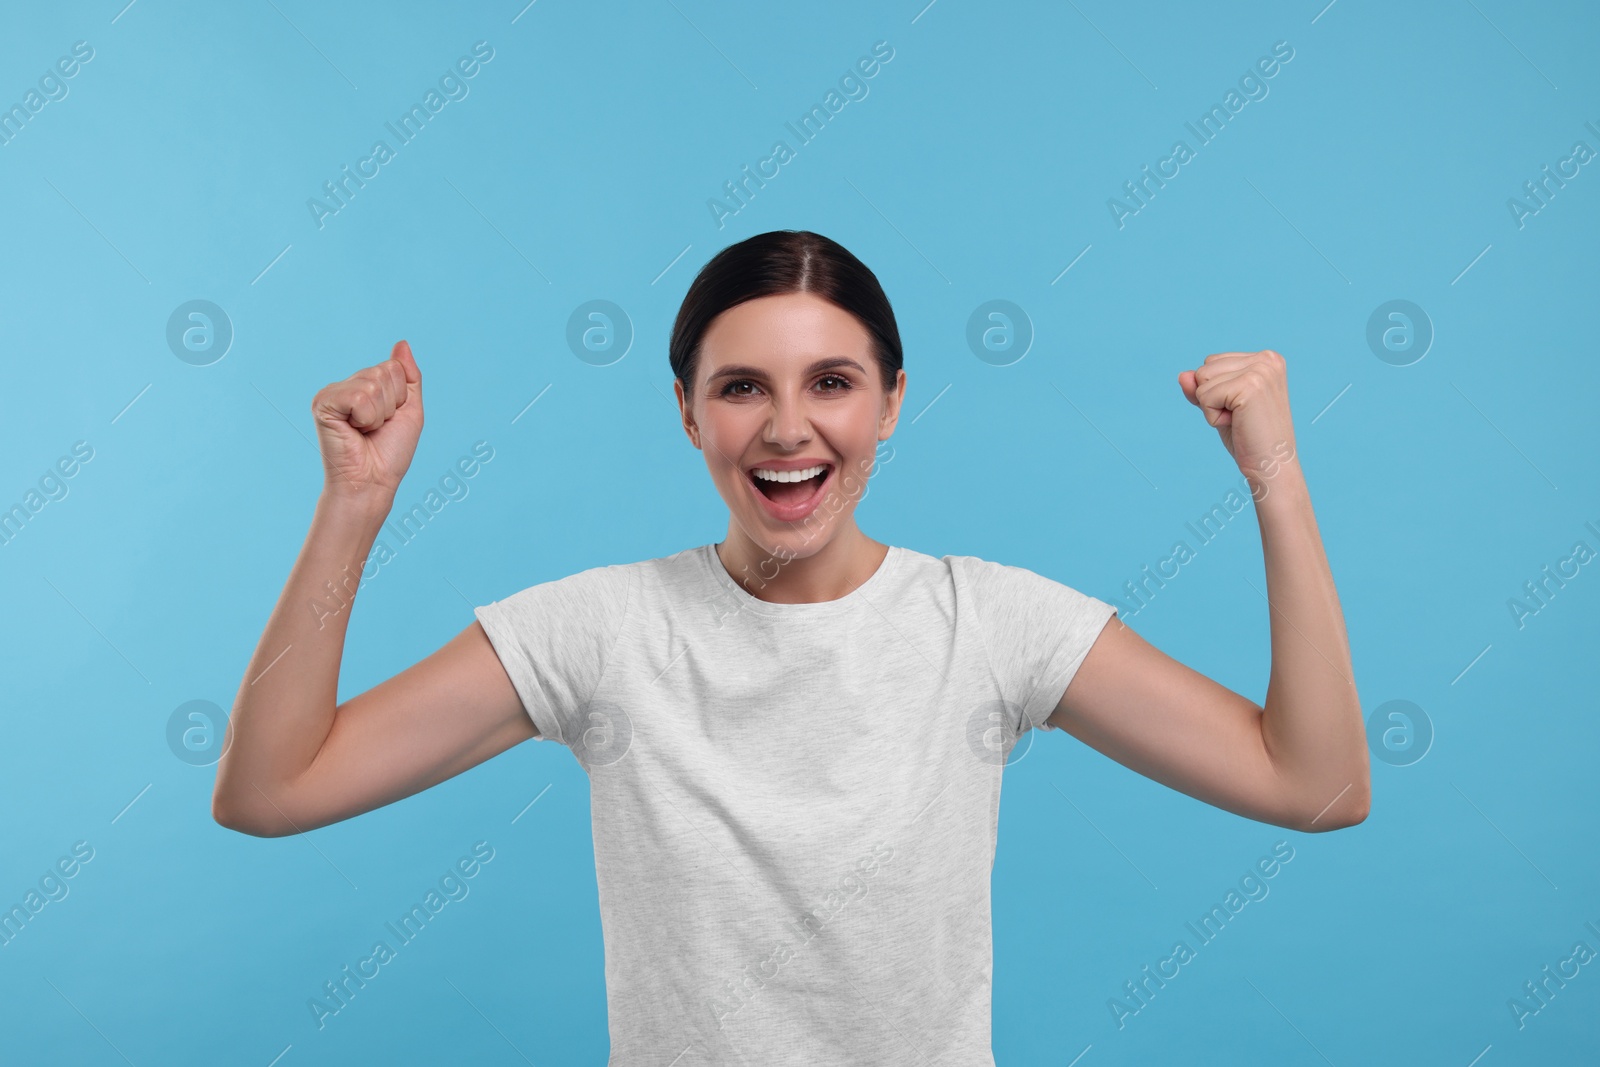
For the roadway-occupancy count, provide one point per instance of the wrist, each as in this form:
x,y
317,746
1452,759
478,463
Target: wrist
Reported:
x,y
364,509
1284,486
1272,473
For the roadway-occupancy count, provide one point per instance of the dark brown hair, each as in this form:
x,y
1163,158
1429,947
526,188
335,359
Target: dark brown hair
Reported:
x,y
784,261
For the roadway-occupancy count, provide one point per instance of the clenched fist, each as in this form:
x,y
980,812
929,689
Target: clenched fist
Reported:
x,y
368,425
1245,397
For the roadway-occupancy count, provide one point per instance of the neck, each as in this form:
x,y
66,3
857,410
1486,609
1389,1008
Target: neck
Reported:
x,y
845,561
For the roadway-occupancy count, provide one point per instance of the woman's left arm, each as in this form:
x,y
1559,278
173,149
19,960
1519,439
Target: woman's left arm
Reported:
x,y
1300,761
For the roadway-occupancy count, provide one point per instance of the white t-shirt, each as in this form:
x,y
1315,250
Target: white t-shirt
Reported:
x,y
794,806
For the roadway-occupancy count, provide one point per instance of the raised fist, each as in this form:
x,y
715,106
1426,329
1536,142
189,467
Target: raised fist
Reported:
x,y
368,425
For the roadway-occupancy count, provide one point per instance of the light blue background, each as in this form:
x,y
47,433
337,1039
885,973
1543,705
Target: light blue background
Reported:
x,y
977,168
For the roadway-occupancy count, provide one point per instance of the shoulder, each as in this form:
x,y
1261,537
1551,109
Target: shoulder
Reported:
x,y
977,575
961,573
980,572
609,579
1006,593
951,580
604,594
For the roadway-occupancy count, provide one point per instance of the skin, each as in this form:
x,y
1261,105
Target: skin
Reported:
x,y
1301,759
786,409
295,760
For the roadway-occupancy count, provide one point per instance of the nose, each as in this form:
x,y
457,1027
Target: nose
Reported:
x,y
788,423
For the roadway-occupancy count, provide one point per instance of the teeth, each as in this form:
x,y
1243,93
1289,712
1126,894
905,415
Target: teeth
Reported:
x,y
789,476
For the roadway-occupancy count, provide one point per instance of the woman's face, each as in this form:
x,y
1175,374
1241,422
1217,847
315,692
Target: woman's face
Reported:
x,y
786,384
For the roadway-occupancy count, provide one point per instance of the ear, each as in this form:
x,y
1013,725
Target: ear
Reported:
x,y
686,414
891,407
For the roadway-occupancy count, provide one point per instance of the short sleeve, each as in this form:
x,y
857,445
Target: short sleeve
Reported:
x,y
555,641
1037,631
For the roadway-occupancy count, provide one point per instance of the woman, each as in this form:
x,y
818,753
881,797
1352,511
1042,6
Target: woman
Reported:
x,y
795,737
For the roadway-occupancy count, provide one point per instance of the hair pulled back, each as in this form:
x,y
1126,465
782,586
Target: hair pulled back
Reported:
x,y
776,262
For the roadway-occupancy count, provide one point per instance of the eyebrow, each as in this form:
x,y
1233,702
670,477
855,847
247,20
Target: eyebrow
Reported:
x,y
741,371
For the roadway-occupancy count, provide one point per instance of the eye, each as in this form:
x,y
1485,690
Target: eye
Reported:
x,y
840,384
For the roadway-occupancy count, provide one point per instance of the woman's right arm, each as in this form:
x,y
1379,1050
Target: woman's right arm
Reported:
x,y
293,759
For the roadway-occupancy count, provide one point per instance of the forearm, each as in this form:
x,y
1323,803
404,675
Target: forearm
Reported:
x,y
287,698
1312,727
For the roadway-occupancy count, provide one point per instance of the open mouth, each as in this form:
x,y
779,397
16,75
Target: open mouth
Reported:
x,y
789,493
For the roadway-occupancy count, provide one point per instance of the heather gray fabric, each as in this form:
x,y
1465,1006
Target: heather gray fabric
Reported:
x,y
794,805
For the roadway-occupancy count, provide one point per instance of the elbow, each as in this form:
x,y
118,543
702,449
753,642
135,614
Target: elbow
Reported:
x,y
225,817
1349,809
220,814
238,803
251,829
224,810
230,817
